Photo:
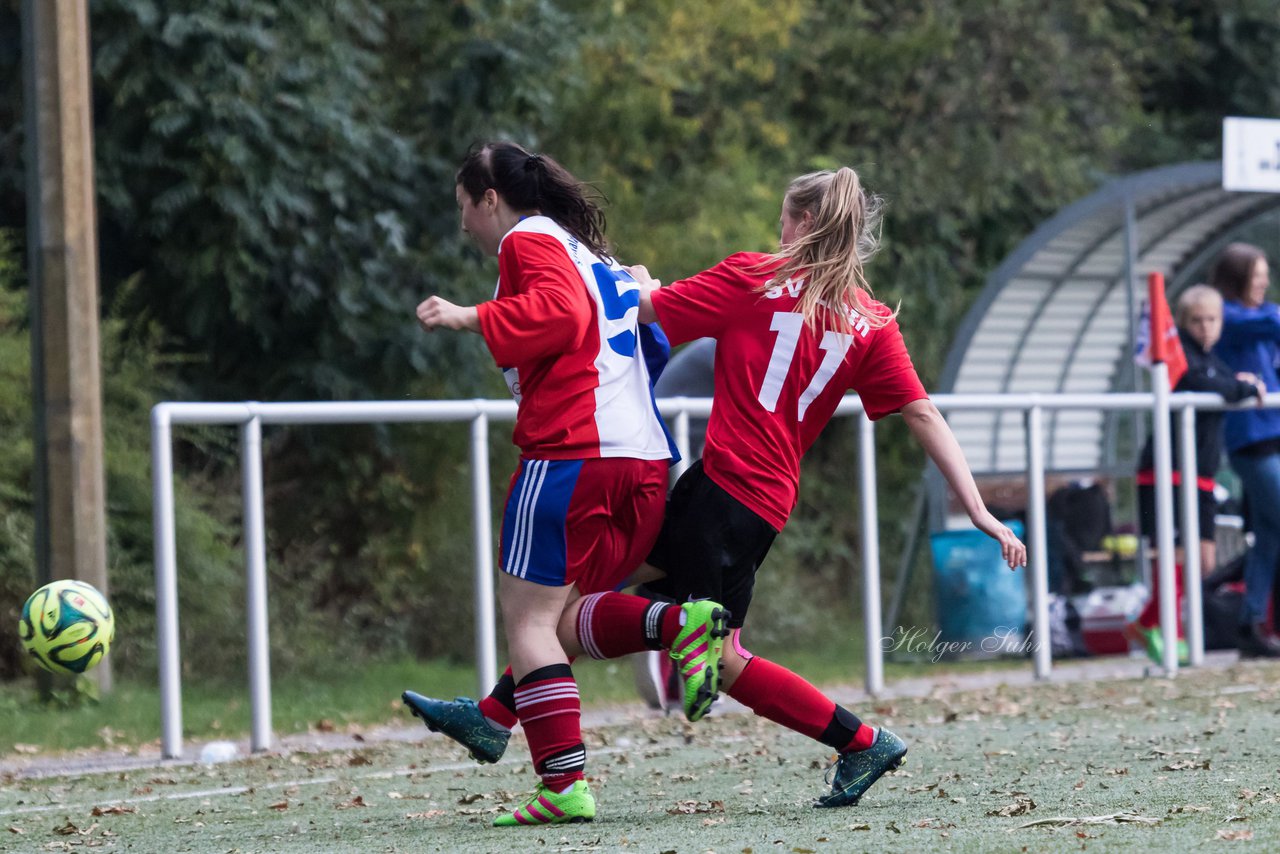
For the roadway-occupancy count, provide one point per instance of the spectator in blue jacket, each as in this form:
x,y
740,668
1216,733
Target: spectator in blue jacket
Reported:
x,y
1250,344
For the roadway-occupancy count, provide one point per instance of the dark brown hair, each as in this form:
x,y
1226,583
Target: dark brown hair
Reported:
x,y
528,182
1233,269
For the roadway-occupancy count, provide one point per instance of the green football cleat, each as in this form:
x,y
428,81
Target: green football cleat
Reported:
x,y
462,721
696,652
1153,642
856,770
547,807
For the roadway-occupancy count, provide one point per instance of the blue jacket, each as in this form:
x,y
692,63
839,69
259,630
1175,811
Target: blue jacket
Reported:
x,y
1251,343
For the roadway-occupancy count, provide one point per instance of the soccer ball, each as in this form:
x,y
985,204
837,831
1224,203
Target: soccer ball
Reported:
x,y
67,627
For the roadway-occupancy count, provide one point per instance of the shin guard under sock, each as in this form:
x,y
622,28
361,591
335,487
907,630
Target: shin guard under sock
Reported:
x,y
551,714
614,624
776,693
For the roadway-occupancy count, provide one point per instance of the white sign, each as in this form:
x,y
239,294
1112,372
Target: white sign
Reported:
x,y
1251,155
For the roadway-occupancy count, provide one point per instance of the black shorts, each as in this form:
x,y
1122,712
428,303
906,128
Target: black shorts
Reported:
x,y
710,546
1207,507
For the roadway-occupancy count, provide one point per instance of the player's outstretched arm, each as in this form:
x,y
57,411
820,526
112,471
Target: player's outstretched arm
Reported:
x,y
934,435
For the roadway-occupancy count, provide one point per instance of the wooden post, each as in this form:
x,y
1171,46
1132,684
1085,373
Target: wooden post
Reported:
x,y
63,265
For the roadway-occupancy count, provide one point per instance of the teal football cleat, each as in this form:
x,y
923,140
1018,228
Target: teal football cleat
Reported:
x,y
856,770
462,721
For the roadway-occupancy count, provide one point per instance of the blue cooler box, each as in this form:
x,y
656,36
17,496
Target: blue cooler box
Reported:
x,y
982,604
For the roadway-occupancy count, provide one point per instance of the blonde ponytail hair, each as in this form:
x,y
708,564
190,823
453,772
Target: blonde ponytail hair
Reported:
x,y
831,257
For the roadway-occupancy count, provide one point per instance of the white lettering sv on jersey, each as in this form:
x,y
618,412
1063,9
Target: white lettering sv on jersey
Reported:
x,y
792,288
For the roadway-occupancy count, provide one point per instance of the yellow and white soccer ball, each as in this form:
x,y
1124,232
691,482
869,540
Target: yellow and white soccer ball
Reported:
x,y
67,627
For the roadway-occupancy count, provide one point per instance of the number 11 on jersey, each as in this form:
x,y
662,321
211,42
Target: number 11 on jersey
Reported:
x,y
790,326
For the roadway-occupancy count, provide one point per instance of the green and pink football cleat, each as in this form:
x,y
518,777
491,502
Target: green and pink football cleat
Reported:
x,y
696,652
548,807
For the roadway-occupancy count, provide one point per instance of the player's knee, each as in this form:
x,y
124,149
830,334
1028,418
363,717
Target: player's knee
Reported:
x,y
568,630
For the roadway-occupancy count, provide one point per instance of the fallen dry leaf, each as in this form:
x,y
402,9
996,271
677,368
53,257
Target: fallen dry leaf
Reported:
x,y
357,801
1235,835
1188,765
691,807
427,814
1021,806
117,810
282,805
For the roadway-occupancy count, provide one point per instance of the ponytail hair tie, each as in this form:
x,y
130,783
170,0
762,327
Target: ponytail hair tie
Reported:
x,y
532,162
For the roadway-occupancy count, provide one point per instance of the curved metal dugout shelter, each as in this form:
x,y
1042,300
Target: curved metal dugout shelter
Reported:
x,y
1059,314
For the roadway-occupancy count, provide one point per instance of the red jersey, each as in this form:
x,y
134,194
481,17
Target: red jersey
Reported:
x,y
564,326
777,382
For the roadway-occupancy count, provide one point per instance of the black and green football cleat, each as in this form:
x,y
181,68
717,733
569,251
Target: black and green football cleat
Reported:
x,y
856,770
462,721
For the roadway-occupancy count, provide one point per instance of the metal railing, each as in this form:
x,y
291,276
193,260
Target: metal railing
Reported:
x,y
250,417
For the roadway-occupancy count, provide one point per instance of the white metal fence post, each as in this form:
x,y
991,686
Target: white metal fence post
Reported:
x,y
873,631
486,632
166,571
255,557
1193,618
1038,542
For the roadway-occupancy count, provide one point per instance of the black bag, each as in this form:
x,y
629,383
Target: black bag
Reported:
x,y
1221,618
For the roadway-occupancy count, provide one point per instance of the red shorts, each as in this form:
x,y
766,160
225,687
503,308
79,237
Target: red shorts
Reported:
x,y
584,522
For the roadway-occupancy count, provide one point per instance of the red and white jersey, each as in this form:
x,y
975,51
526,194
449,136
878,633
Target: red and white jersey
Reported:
x,y
777,382
564,327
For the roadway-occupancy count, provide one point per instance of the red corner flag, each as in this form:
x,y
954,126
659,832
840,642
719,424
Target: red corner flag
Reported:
x,y
1163,341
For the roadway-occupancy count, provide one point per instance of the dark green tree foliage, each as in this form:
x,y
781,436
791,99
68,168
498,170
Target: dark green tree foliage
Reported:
x,y
247,175
12,189
1225,63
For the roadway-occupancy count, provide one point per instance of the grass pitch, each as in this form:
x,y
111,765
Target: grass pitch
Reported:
x,y
1153,764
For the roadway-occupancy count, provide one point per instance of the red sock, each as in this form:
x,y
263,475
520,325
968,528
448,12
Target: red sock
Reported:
x,y
500,706
774,692
615,624
551,714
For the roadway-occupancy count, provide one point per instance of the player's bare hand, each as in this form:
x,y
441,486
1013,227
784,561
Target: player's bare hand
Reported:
x,y
437,313
642,275
1012,549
